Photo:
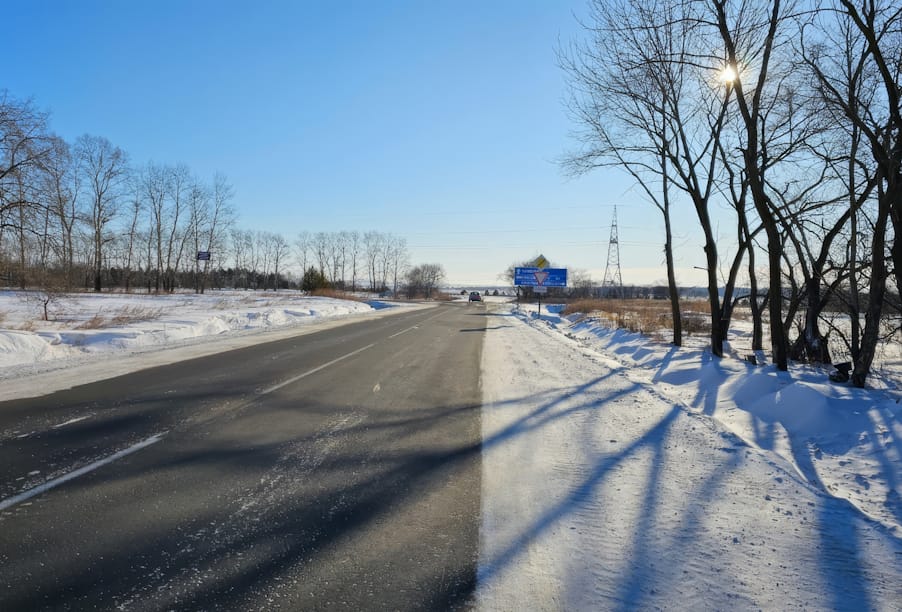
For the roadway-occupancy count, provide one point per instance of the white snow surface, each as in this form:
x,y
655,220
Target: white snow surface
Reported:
x,y
93,336
618,472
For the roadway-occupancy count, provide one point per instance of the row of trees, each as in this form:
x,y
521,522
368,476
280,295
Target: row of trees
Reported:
x,y
351,259
785,112
81,215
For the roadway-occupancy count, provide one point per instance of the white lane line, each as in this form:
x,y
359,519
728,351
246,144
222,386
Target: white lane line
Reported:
x,y
16,499
70,421
403,331
417,326
314,370
12,501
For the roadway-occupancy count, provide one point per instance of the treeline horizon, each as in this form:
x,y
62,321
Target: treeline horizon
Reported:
x,y
80,215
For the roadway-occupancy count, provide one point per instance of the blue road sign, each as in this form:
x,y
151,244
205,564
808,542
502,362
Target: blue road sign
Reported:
x,y
540,277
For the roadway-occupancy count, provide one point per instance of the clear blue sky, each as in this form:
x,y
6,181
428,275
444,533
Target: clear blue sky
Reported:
x,y
439,121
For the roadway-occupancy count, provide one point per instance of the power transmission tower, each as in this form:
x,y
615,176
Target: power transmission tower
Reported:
x,y
612,285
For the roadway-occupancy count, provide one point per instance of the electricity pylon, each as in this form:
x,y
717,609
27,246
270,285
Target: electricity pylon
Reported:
x,y
612,285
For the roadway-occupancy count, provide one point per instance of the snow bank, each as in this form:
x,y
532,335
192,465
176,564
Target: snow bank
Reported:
x,y
845,441
621,474
124,330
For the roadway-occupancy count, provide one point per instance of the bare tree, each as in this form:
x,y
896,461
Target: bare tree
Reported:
x,y
220,218
280,250
26,220
180,187
752,33
104,168
321,246
199,212
618,100
62,187
241,250
155,185
856,57
373,245
262,249
880,117
135,210
398,260
646,95
24,147
423,280
302,248
354,248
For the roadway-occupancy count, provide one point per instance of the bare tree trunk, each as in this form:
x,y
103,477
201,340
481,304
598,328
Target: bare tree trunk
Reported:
x,y
854,290
23,273
871,334
757,323
811,345
750,112
672,289
711,271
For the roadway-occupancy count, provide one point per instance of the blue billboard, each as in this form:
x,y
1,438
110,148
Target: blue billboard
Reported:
x,y
540,277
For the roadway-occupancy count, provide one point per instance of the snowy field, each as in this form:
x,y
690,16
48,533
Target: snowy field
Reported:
x,y
619,472
94,336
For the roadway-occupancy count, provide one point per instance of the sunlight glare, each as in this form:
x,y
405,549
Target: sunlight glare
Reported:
x,y
728,74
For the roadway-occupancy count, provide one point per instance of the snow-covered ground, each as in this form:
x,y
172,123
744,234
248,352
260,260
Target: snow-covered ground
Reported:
x,y
110,334
623,474
619,473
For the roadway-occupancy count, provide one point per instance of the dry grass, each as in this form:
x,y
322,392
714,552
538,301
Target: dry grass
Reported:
x,y
337,294
98,321
645,316
136,314
124,316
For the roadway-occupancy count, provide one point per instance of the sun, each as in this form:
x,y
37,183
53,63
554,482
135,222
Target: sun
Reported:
x,y
728,75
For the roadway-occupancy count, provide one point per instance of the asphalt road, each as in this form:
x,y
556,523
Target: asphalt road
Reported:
x,y
334,470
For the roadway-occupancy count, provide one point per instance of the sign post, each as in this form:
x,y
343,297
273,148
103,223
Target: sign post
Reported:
x,y
202,256
540,278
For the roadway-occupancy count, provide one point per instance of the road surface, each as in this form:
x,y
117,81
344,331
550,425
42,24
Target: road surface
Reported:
x,y
334,470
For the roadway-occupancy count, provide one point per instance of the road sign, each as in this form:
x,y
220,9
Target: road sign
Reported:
x,y
203,255
537,277
540,289
540,262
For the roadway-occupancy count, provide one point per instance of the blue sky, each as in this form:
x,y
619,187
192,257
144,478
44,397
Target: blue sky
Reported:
x,y
438,121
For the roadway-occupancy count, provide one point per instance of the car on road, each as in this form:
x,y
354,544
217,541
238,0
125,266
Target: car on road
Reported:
x,y
475,297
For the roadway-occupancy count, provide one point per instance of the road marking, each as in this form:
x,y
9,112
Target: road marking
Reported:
x,y
427,319
16,499
314,370
70,421
377,388
403,331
